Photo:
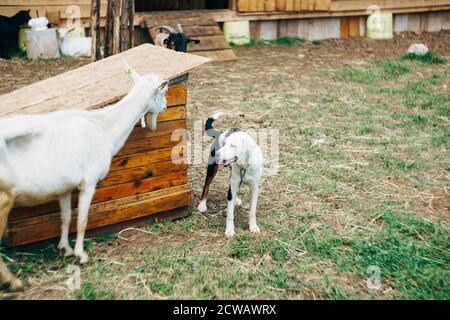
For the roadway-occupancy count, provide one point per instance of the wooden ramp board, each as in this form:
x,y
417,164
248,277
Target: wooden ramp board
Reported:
x,y
97,84
197,26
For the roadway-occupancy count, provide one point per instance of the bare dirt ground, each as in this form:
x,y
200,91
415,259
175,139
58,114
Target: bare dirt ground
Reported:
x,y
363,182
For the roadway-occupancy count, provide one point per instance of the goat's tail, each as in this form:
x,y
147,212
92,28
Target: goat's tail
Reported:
x,y
3,151
4,168
210,131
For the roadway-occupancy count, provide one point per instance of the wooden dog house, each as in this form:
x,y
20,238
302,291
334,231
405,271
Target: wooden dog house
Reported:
x,y
143,182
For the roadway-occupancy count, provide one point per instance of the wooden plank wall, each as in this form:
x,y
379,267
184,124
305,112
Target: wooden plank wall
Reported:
x,y
69,12
163,5
344,27
362,5
142,181
282,5
63,10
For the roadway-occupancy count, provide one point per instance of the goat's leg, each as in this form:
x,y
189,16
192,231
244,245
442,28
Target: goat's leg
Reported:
x,y
3,47
84,202
66,214
6,277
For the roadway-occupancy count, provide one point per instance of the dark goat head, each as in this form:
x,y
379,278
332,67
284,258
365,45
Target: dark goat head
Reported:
x,y
177,40
22,16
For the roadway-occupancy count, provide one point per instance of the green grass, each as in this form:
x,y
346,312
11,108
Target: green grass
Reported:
x,y
283,41
387,69
409,252
428,58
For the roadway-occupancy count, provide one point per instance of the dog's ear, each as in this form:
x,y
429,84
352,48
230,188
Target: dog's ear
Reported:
x,y
247,147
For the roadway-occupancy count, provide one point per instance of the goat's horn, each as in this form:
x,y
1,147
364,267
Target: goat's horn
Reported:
x,y
167,28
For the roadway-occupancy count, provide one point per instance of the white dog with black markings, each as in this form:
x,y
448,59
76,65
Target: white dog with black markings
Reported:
x,y
235,149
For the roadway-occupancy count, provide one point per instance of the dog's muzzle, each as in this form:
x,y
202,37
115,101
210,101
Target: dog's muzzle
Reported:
x,y
226,163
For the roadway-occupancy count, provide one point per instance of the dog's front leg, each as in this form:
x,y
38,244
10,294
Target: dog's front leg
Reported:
x,y
254,191
232,193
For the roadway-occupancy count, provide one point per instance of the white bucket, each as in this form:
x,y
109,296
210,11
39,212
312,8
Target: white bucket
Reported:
x,y
379,24
237,32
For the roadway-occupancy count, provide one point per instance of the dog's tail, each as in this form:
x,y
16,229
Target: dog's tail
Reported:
x,y
209,129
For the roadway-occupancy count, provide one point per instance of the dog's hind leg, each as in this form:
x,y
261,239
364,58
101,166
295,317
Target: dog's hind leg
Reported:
x,y
210,174
254,191
6,277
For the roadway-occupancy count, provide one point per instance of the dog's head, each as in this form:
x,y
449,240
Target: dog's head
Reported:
x,y
235,147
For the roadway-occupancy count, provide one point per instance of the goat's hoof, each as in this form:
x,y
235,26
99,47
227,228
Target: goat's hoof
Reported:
x,y
12,285
66,250
254,229
83,256
229,232
238,201
15,285
202,206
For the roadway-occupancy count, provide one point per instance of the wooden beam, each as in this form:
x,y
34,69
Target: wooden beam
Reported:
x,y
131,21
109,29
95,31
124,31
116,25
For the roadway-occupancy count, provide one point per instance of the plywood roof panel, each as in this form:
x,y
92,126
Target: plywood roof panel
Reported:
x,y
97,84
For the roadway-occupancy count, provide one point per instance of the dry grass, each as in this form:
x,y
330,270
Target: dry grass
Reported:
x,y
364,178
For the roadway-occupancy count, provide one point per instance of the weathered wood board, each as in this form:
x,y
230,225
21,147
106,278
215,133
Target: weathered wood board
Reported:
x,y
97,84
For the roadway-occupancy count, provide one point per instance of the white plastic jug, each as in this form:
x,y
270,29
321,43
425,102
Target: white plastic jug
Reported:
x,y
379,24
237,32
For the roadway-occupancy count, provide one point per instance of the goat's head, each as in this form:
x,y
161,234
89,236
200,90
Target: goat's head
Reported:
x,y
63,32
177,40
23,16
156,100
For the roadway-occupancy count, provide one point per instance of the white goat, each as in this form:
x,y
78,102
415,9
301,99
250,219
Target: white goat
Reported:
x,y
43,157
73,46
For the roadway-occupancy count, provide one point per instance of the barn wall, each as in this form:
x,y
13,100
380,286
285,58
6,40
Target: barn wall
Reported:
x,y
343,27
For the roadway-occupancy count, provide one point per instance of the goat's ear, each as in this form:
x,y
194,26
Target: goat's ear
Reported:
x,y
129,71
163,86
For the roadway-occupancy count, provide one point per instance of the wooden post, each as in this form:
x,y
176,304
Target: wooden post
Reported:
x,y
95,30
109,29
119,31
116,29
124,30
131,21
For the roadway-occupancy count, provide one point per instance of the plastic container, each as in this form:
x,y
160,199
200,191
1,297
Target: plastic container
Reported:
x,y
42,44
21,40
237,32
379,25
